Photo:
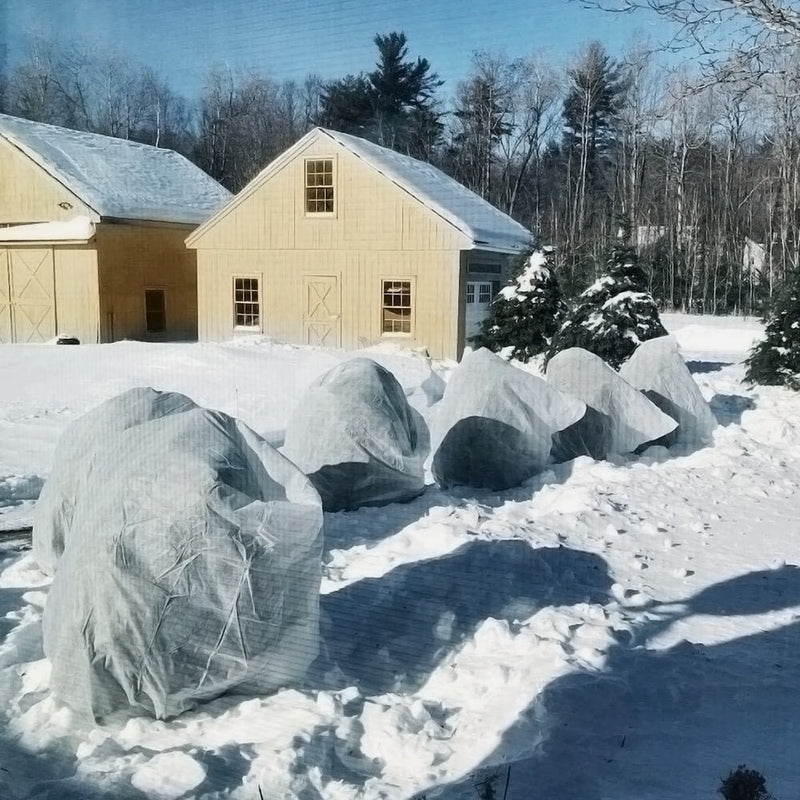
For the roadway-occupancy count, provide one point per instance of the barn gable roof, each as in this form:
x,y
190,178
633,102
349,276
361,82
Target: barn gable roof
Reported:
x,y
118,178
484,225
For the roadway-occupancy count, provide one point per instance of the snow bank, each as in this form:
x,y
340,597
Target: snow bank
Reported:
x,y
353,433
190,563
618,418
495,423
658,369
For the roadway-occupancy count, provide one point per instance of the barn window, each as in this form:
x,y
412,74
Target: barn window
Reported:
x,y
319,186
396,307
246,303
155,311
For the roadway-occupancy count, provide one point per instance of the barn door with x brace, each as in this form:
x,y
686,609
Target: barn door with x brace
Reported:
x,y
32,294
322,318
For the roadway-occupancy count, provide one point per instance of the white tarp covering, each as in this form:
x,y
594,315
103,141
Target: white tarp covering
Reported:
x,y
355,436
658,369
495,423
190,565
618,418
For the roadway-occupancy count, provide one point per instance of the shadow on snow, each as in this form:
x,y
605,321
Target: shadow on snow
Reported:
x,y
696,710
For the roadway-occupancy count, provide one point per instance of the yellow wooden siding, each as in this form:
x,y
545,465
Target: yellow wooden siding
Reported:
x,y
284,274
77,297
371,212
133,258
46,291
29,194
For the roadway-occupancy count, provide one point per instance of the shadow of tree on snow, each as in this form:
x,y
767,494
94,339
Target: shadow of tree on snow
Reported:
x,y
389,633
697,710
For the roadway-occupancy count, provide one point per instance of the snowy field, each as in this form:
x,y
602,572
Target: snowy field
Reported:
x,y
626,630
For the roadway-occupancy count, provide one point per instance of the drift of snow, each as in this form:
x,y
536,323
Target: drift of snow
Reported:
x,y
353,433
627,419
78,229
495,423
651,637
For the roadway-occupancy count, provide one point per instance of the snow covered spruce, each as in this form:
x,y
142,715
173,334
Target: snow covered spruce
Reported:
x,y
615,314
527,313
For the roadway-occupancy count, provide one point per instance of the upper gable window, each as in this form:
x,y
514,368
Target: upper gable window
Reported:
x,y
319,186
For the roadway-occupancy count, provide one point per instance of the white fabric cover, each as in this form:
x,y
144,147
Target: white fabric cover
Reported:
x,y
658,369
355,436
618,419
74,461
494,426
191,567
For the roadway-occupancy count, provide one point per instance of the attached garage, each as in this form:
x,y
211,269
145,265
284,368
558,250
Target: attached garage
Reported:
x,y
92,236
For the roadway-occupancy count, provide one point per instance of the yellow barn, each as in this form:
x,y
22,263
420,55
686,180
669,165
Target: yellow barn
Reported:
x,y
342,243
92,234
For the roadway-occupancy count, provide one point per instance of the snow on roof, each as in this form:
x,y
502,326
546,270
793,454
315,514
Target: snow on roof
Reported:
x,y
79,229
487,226
116,177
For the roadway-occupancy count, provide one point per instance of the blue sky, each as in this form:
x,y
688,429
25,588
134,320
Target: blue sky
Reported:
x,y
291,38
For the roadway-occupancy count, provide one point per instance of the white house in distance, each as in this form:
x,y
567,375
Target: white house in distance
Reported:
x,y
92,232
342,243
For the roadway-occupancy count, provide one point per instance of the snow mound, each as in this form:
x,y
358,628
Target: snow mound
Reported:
x,y
618,418
190,566
658,369
355,437
495,424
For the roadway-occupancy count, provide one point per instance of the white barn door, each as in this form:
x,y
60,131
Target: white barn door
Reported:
x,y
322,315
32,290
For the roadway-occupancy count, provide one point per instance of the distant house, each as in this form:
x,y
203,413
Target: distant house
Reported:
x,y
342,243
92,236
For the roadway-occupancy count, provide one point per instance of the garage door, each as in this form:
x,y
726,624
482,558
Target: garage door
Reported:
x,y
27,295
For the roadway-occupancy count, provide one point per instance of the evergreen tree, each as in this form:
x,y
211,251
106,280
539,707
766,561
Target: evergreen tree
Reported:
x,y
527,312
393,105
616,313
347,106
775,360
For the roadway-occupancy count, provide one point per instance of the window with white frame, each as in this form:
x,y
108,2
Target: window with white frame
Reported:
x,y
396,307
319,186
246,303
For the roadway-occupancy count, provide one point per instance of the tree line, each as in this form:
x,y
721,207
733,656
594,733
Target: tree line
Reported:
x,y
703,165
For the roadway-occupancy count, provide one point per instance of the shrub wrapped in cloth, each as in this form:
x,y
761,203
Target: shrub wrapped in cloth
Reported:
x,y
619,418
191,568
658,369
354,435
74,460
495,424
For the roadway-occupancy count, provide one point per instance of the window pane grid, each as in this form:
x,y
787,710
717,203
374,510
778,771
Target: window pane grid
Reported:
x,y
319,186
485,293
396,310
246,304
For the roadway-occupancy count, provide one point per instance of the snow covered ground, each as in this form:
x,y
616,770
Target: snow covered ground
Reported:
x,y
611,630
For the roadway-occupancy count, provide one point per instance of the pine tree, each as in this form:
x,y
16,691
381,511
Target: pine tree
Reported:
x,y
527,312
775,360
616,313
